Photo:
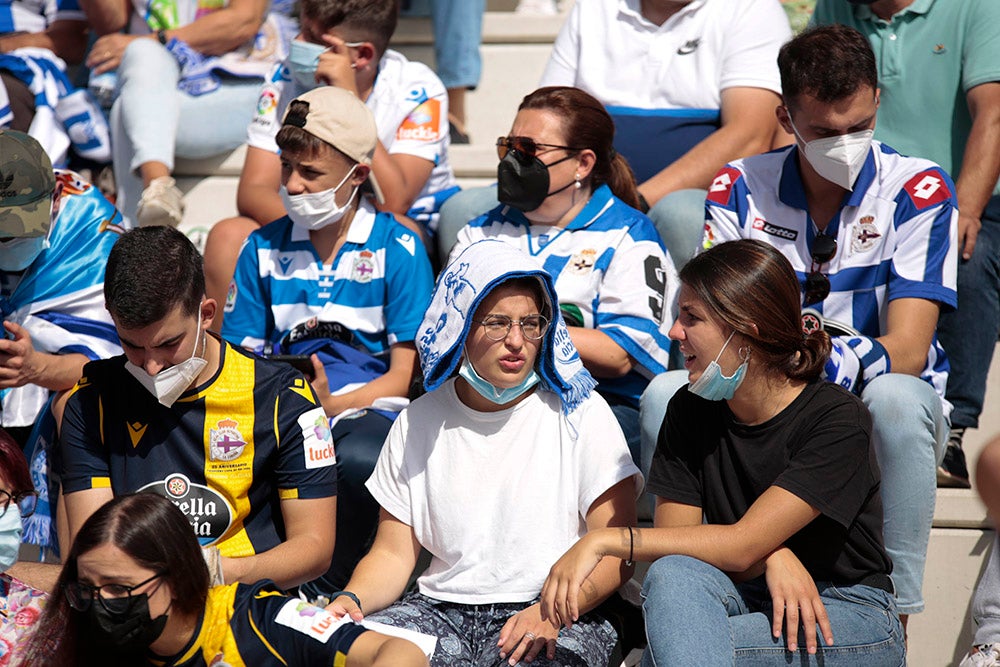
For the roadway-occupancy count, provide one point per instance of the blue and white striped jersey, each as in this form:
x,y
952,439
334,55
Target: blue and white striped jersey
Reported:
x,y
611,273
37,15
896,234
373,295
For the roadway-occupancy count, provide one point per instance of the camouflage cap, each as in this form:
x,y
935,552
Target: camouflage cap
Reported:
x,y
26,186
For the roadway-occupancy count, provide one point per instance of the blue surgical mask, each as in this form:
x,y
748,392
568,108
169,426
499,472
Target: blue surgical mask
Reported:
x,y
10,536
18,254
496,394
712,385
303,57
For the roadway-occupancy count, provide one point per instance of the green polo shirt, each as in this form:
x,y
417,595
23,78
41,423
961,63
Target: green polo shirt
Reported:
x,y
929,56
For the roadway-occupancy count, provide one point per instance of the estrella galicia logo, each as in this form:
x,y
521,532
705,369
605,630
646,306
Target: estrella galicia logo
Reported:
x,y
208,512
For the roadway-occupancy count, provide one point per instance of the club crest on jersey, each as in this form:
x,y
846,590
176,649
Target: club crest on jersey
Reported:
x,y
206,510
866,234
760,224
225,442
364,267
582,263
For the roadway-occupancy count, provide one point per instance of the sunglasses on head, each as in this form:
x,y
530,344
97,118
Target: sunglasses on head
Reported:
x,y
525,146
818,284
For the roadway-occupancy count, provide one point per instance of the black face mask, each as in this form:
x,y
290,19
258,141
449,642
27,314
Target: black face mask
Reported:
x,y
132,630
523,182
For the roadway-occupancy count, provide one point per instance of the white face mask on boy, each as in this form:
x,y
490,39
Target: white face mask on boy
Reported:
x,y
316,210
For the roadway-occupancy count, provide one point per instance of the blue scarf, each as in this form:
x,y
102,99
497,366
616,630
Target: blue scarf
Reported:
x,y
461,288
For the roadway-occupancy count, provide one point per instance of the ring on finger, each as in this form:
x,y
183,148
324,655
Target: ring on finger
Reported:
x,y
530,636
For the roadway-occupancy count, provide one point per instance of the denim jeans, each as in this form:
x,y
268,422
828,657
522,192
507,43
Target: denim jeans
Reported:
x,y
969,333
458,29
680,219
909,434
468,633
986,600
696,615
152,121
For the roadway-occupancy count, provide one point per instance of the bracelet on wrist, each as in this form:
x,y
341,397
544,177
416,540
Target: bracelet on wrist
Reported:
x,y
337,594
161,37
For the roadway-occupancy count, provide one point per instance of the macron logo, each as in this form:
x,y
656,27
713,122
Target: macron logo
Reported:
x,y
408,242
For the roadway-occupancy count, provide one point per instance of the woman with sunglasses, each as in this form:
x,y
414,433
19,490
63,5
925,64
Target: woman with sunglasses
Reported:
x,y
496,472
570,201
768,516
134,590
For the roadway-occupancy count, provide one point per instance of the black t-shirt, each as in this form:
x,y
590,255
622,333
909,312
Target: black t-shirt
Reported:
x,y
818,448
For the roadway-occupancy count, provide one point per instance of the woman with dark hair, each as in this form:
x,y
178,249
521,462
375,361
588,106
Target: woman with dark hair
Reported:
x,y
569,200
134,590
496,472
779,464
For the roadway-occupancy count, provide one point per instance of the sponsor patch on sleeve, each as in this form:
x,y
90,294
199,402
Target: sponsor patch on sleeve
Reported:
x,y
310,620
423,123
722,186
927,189
317,441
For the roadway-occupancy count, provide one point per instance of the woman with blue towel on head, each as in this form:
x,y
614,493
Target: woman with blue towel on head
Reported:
x,y
508,460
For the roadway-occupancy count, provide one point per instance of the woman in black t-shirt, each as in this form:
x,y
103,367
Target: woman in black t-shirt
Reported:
x,y
768,515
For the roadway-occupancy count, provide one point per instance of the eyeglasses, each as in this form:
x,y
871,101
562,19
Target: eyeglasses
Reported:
x,y
818,284
525,146
26,502
115,598
498,327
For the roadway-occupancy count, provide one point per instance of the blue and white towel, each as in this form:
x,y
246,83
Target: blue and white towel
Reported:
x,y
462,286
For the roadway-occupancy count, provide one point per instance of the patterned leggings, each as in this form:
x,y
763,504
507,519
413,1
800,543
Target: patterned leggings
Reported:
x,y
467,634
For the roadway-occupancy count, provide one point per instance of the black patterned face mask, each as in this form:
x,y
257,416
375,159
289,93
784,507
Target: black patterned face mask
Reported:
x,y
131,630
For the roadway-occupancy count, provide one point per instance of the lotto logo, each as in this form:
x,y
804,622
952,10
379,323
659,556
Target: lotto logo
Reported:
x,y
722,186
927,189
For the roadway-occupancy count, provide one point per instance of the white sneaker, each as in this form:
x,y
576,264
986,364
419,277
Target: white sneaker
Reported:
x,y
161,204
985,655
536,8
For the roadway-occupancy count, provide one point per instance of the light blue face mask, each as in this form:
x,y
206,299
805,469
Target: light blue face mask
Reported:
x,y
10,536
496,394
712,385
303,57
18,254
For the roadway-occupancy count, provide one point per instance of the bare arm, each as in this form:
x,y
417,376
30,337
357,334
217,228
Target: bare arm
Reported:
x,y
394,382
42,576
910,328
747,128
21,363
600,353
65,38
380,578
257,195
79,506
981,163
304,555
225,29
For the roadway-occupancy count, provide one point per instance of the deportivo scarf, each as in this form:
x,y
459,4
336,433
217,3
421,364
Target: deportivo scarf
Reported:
x,y
461,288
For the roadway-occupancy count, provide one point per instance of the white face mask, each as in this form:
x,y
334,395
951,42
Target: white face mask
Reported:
x,y
170,383
316,210
18,254
837,159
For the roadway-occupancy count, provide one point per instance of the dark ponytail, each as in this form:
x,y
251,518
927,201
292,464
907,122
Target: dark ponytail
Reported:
x,y
586,124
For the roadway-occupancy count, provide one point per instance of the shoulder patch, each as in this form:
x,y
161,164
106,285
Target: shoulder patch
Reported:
x,y
722,186
927,189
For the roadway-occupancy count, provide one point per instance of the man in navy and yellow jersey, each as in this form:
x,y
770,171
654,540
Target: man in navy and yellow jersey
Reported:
x,y
239,444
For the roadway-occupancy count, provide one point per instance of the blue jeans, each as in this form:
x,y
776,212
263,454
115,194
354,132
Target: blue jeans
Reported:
x,y
696,615
909,434
152,121
458,29
986,600
969,333
680,219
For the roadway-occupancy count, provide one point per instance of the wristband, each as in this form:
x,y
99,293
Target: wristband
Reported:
x,y
161,37
337,594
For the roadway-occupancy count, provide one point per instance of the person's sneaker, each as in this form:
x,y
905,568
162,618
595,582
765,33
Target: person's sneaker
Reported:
x,y
161,204
537,8
952,472
985,655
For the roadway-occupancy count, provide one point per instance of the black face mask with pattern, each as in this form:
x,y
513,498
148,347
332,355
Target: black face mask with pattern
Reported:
x,y
523,181
130,631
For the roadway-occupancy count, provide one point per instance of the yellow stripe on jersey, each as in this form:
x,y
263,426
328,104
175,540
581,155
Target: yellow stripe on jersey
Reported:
x,y
100,418
288,494
340,660
215,636
228,438
100,482
263,639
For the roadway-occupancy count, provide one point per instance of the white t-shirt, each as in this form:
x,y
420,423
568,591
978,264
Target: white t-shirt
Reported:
x,y
408,101
608,49
497,497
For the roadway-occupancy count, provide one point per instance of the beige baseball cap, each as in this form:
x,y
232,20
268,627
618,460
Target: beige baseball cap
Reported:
x,y
342,120
26,186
